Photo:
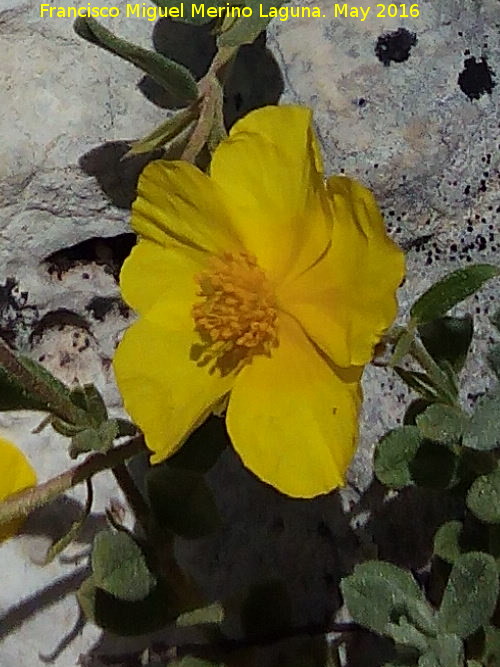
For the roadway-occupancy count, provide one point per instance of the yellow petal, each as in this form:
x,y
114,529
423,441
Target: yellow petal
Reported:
x,y
293,417
164,391
153,273
16,474
270,173
348,300
178,202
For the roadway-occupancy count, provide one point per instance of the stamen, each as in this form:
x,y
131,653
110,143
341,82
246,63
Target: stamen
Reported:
x,y
237,317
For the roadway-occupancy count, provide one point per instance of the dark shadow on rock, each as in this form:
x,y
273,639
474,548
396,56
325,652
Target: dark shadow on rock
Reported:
x,y
34,604
253,80
109,252
403,526
117,175
56,518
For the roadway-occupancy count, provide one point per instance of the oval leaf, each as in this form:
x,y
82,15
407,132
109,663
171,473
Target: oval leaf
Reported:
x,y
393,455
119,567
377,592
447,541
483,497
483,430
470,595
449,291
441,423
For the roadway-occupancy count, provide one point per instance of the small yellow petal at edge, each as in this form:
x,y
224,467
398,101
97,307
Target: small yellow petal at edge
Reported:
x,y
293,418
16,474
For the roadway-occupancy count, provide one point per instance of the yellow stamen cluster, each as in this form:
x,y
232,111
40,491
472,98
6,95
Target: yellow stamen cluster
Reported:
x,y
237,317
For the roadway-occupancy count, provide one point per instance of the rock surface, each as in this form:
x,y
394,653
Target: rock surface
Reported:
x,y
421,130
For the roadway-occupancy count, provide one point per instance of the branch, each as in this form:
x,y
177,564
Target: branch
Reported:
x,y
24,502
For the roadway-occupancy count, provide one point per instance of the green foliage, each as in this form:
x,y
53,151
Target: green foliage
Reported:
x,y
441,423
450,291
447,339
174,78
473,579
420,382
189,661
119,567
181,501
377,594
212,613
483,430
126,617
446,650
447,541
393,456
483,497
98,439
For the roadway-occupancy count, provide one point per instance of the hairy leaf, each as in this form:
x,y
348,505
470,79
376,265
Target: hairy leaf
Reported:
x,y
393,455
119,567
451,290
470,595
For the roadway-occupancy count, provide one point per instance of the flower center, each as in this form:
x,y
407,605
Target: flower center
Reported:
x,y
237,317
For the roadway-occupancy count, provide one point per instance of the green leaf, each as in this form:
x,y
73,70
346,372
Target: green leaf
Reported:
x,y
447,541
442,423
213,613
164,133
393,455
407,635
14,396
450,290
483,497
90,400
267,610
470,595
98,439
246,29
483,430
127,618
181,501
419,382
119,567
448,339
493,358
446,650
175,78
378,593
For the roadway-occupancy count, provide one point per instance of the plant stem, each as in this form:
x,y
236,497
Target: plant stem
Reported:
x,y
436,375
59,405
24,502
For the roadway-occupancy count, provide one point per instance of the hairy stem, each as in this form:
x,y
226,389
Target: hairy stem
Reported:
x,y
24,502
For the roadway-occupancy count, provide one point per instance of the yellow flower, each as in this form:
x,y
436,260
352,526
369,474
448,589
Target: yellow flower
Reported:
x,y
16,474
263,282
